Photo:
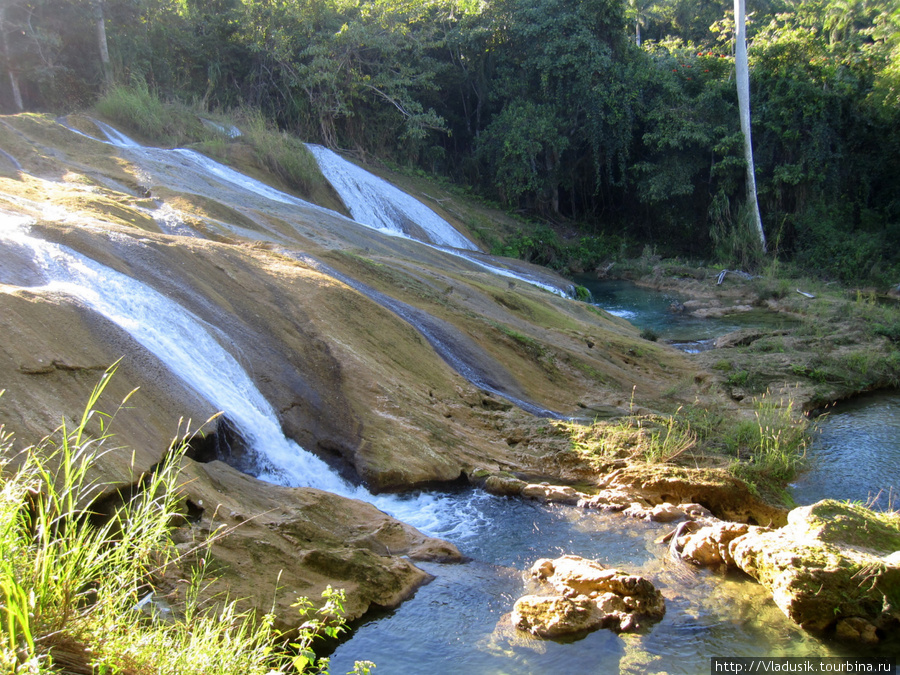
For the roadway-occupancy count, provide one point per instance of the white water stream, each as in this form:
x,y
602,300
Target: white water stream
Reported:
x,y
185,344
372,201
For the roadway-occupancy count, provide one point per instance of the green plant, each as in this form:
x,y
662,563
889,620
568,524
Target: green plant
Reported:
x,y
138,108
738,379
649,334
72,574
771,448
283,154
649,438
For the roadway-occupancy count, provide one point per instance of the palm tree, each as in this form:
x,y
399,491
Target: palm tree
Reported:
x,y
641,12
743,91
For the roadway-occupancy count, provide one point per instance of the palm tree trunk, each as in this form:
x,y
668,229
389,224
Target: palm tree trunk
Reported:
x,y
13,78
102,44
743,91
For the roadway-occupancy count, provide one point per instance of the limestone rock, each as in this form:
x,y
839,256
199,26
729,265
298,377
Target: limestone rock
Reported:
x,y
556,615
505,486
611,499
562,494
283,543
827,568
661,513
710,545
589,596
715,489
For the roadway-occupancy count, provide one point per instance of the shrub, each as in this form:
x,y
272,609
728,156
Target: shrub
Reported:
x,y
649,334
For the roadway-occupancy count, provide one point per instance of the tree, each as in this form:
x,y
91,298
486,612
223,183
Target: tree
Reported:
x,y
11,69
100,25
640,12
742,69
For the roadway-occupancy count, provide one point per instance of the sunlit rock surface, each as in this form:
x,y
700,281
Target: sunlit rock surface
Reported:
x,y
832,566
590,596
347,378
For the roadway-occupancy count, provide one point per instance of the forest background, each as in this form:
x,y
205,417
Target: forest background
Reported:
x,y
612,124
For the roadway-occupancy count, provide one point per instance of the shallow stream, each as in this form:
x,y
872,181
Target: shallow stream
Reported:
x,y
855,454
460,621
652,310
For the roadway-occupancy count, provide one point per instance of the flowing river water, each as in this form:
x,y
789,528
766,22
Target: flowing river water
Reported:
x,y
459,622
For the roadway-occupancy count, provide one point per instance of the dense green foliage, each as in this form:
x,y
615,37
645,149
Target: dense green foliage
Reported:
x,y
619,116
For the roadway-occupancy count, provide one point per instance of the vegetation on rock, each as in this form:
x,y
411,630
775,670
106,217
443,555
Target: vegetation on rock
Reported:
x,y
87,585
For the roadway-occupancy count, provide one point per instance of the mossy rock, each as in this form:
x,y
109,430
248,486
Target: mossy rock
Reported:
x,y
830,563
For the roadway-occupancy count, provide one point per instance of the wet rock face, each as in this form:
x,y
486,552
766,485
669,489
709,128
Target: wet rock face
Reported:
x,y
589,596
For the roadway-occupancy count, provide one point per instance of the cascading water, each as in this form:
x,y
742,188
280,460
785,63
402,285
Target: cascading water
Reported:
x,y
196,173
185,344
374,202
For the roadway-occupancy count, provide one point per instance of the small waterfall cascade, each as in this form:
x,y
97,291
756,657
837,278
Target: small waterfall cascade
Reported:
x,y
197,171
376,203
185,344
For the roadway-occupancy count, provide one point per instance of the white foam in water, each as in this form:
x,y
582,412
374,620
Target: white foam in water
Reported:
x,y
204,165
374,202
183,342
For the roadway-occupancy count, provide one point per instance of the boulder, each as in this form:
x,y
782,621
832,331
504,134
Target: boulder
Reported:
x,y
833,566
710,545
504,486
556,615
718,491
589,596
661,513
562,494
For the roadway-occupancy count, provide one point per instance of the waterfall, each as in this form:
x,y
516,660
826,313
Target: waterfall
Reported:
x,y
373,202
376,203
185,344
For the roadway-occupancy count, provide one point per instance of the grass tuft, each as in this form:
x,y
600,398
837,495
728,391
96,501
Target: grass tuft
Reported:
x,y
771,448
72,579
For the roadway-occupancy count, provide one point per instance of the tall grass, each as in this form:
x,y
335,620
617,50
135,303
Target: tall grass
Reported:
x,y
72,577
648,438
771,448
137,108
284,155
